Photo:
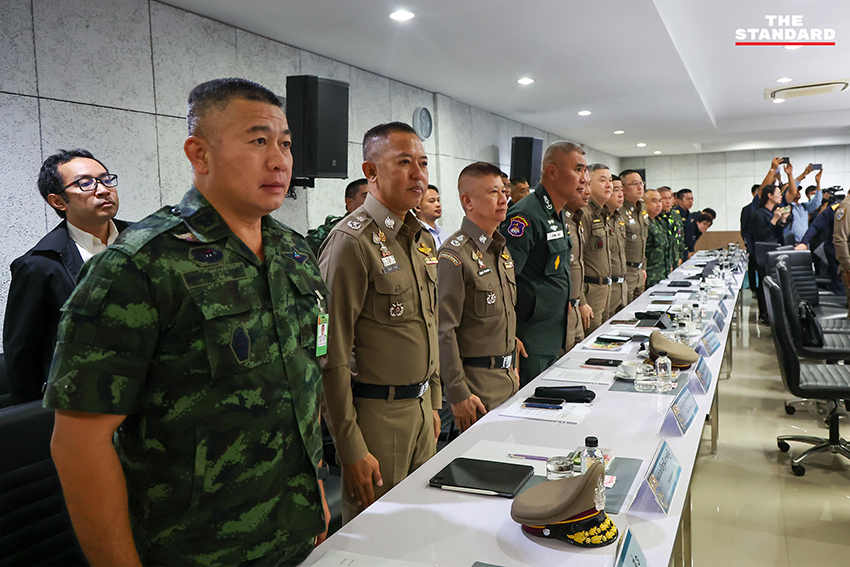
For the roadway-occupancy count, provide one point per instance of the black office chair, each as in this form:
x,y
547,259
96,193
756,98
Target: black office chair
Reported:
x,y
803,272
829,382
832,318
34,525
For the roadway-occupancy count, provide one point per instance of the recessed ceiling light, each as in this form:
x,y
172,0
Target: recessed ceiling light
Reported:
x,y
525,81
641,145
778,100
618,132
657,152
784,80
402,16
584,113
793,46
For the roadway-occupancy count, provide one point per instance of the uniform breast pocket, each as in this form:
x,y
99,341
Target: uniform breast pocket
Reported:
x,y
307,307
510,276
559,256
432,285
485,300
394,301
236,336
597,237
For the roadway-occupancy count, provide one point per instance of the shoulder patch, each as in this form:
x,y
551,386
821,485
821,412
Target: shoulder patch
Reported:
x,y
517,225
450,256
839,214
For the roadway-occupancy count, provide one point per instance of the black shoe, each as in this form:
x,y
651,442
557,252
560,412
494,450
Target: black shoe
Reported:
x,y
763,320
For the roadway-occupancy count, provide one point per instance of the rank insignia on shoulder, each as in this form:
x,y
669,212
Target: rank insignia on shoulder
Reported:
x,y
839,214
835,206
354,225
455,243
557,261
187,237
547,202
206,255
295,255
644,213
424,249
517,226
482,239
451,257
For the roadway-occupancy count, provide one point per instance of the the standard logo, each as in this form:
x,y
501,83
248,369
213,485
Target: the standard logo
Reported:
x,y
784,30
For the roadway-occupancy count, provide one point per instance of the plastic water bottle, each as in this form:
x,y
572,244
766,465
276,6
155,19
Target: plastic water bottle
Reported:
x,y
664,372
590,454
682,333
696,318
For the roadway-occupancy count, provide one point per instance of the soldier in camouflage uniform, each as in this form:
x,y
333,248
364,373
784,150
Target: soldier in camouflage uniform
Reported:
x,y
675,227
355,194
193,340
658,249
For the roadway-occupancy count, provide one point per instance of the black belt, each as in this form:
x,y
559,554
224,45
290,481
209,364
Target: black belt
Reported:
x,y
489,361
597,281
637,265
575,302
618,279
376,392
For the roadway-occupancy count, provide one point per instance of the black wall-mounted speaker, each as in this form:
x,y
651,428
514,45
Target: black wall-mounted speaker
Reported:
x,y
526,158
317,111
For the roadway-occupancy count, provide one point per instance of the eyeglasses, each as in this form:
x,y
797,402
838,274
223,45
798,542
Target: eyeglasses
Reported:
x,y
110,181
635,184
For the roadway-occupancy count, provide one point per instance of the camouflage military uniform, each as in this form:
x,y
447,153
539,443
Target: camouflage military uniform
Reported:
x,y
658,252
212,356
676,232
316,236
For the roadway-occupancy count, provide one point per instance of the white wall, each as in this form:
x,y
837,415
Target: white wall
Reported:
x,y
112,76
723,180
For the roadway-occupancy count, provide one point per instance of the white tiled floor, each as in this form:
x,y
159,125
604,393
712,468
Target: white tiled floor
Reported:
x,y
749,509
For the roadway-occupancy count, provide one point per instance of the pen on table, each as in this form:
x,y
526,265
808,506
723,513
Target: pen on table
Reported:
x,y
527,457
593,367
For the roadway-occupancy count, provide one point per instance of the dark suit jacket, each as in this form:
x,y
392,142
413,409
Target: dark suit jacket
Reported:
x,y
42,280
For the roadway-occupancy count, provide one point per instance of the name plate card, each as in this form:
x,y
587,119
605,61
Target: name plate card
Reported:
x,y
719,319
710,342
722,307
684,409
663,476
629,553
730,290
703,375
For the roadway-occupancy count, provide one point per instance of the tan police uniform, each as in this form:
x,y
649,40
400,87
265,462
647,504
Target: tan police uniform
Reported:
x,y
841,241
575,330
382,276
597,260
618,264
477,294
637,228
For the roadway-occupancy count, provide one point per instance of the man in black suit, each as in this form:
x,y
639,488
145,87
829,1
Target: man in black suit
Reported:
x,y
83,192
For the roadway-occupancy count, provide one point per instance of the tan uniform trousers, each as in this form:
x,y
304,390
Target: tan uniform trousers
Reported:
x,y
618,299
597,297
634,284
400,434
492,386
575,332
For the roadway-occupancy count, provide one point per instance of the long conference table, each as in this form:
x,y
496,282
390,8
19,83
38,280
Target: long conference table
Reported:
x,y
416,523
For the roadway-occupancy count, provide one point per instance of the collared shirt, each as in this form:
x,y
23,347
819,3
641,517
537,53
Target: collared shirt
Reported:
x,y
597,254
637,223
576,232
800,215
89,244
382,274
477,293
439,233
618,245
212,356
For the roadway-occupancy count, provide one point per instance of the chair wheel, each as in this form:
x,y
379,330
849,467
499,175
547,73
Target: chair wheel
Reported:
x,y
790,409
783,446
798,470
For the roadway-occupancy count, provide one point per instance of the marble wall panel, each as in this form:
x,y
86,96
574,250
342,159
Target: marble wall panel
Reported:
x,y
443,126
22,215
835,159
691,183
503,142
712,193
737,196
370,103
683,166
266,61
17,65
485,135
711,165
175,171
124,141
741,164
658,167
632,163
187,50
404,99
293,212
800,158
95,52
462,143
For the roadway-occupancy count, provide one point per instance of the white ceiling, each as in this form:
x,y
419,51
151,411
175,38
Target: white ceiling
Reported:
x,y
667,72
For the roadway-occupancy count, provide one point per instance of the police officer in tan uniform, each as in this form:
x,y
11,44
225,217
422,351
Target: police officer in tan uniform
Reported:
x,y
841,241
477,294
637,226
579,309
381,268
617,298
597,254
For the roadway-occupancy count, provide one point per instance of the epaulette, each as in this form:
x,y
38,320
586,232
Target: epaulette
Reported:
x,y
354,223
456,240
834,206
136,236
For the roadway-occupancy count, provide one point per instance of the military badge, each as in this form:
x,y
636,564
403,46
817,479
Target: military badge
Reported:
x,y
478,256
354,225
557,261
517,226
460,237
547,202
424,249
206,255
482,239
396,309
491,298
389,223
454,243
450,257
187,237
634,237
839,214
361,218
295,255
431,260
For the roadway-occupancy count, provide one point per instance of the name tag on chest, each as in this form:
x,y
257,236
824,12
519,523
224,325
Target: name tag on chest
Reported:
x,y
555,235
390,264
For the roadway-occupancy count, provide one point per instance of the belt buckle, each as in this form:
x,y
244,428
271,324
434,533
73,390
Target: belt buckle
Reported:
x,y
423,387
507,360
607,281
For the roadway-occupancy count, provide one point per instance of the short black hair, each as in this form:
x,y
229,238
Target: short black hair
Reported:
x,y
702,217
755,187
218,93
615,178
49,178
380,133
682,192
626,172
434,187
517,180
479,169
352,188
811,189
710,212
